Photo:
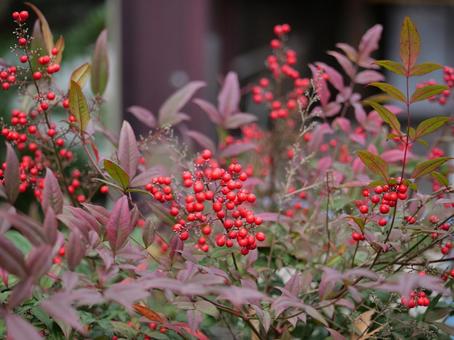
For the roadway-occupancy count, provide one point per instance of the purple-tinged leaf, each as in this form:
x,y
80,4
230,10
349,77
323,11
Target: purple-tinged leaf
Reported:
x,y
343,123
128,151
202,140
194,319
335,334
118,227
12,180
333,76
84,217
99,212
148,233
87,296
239,119
368,76
144,115
100,65
229,96
75,249
315,314
405,283
349,51
236,149
52,194
369,43
11,259
26,226
344,62
126,293
329,279
409,44
210,110
168,113
39,261
22,291
19,329
239,296
293,285
50,226
176,246
59,306
144,177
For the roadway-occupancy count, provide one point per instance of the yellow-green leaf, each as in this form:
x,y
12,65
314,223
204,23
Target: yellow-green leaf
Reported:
x,y
425,92
387,116
78,106
392,66
429,166
390,90
430,125
60,46
374,163
440,178
424,68
409,44
117,173
100,62
81,74
45,29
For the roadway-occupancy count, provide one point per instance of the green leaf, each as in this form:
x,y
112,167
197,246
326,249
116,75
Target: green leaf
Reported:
x,y
412,133
444,327
45,29
440,178
100,63
409,44
117,173
390,90
81,74
392,66
359,222
78,105
387,116
374,163
430,125
425,92
429,166
424,68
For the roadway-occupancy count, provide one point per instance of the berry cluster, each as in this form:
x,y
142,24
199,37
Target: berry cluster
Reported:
x,y
448,77
8,77
216,197
384,197
280,64
415,299
61,253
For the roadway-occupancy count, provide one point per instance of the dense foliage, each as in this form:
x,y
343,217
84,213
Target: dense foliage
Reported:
x,y
333,221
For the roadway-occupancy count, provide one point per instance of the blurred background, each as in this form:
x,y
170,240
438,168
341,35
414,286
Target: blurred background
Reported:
x,y
156,46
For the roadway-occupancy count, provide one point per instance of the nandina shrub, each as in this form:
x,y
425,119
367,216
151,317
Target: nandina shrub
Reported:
x,y
319,225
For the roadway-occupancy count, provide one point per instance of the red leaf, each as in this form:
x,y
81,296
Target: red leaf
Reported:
x,y
229,96
118,227
128,151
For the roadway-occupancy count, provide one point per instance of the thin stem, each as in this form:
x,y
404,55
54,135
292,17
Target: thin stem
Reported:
x,y
328,234
354,254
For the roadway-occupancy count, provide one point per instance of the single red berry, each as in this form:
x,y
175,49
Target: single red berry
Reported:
x,y
364,209
260,236
104,189
384,208
37,75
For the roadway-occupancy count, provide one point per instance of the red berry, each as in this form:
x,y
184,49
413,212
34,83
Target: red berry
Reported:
x,y
384,208
364,209
104,189
260,236
37,75
184,236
